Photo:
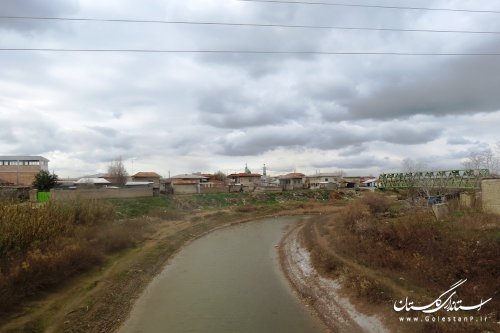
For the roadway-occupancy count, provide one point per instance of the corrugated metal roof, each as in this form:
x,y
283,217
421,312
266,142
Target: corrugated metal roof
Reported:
x,y
23,158
92,181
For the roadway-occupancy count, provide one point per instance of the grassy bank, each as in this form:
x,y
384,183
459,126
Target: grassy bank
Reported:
x,y
42,246
388,252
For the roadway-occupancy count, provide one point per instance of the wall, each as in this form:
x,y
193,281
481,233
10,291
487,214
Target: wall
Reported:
x,y
291,187
235,188
491,195
103,193
19,174
248,181
215,189
8,194
268,189
18,178
467,200
186,188
240,188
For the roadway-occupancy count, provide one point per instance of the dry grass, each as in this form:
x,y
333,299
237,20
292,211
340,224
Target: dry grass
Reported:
x,y
43,245
412,249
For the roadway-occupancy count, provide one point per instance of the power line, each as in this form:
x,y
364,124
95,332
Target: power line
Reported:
x,y
373,6
247,52
260,25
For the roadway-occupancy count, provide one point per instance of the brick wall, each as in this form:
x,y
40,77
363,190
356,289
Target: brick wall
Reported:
x,y
21,178
491,195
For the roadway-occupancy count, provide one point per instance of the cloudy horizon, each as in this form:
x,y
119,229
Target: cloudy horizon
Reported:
x,y
183,113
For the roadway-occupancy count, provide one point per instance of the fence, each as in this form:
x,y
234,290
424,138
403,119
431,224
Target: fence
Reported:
x,y
103,193
450,179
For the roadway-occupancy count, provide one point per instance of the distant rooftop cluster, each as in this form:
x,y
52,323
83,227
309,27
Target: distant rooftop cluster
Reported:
x,y
21,170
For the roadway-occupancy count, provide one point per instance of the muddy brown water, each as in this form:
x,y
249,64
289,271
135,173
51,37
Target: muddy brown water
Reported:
x,y
226,281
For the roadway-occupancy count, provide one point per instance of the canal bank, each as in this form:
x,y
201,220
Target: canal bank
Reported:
x,y
227,281
322,294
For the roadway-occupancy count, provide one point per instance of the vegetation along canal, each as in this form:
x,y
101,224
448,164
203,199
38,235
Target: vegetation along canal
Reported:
x,y
227,281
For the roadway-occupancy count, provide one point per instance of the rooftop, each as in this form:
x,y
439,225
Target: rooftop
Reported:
x,y
92,181
188,176
138,183
293,175
324,174
148,174
23,158
244,175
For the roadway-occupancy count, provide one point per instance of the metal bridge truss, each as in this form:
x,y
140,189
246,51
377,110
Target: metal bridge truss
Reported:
x,y
449,179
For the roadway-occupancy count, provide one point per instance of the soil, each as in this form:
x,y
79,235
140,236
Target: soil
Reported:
x,y
323,294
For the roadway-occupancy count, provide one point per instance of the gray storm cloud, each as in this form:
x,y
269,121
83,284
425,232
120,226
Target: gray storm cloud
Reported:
x,y
173,109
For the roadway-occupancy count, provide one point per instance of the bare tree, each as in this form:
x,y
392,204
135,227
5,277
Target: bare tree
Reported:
x,y
485,159
412,174
219,175
408,165
117,171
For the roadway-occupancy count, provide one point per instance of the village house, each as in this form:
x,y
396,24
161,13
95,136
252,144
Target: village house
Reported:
x,y
350,182
244,181
292,181
184,184
212,180
369,182
325,180
113,181
147,177
21,170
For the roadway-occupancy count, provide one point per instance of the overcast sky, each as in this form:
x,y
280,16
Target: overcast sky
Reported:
x,y
206,112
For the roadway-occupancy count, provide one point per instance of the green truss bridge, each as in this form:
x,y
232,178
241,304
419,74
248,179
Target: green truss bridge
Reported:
x,y
447,179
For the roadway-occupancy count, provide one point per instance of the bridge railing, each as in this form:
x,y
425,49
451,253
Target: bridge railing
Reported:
x,y
456,179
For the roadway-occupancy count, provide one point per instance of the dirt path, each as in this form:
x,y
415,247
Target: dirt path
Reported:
x,y
321,293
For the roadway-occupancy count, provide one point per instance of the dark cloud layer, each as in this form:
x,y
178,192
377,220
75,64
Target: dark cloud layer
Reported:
x,y
34,8
181,111
460,87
